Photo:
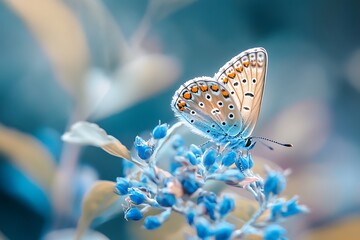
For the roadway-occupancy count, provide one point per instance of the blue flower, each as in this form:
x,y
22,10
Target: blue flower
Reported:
x,y
137,196
166,199
223,231
245,162
203,228
209,201
144,151
160,131
274,232
189,183
133,214
209,158
196,150
152,222
122,185
228,159
190,216
226,205
276,210
292,208
192,158
275,183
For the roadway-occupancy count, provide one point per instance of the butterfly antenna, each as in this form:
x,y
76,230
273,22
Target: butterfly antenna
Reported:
x,y
273,141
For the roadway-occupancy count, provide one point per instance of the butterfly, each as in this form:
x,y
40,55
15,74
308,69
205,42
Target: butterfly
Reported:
x,y
225,108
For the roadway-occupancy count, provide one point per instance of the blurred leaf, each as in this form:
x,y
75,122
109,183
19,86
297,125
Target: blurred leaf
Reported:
x,y
28,155
98,200
60,34
135,81
92,134
347,228
70,233
2,236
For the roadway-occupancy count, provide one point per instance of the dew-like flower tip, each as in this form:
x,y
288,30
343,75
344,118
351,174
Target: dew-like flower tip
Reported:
x,y
143,149
160,131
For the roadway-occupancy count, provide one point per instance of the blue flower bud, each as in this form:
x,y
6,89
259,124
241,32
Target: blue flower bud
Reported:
x,y
223,231
166,199
190,216
276,210
228,159
203,228
152,222
209,158
292,208
209,201
275,183
160,131
244,163
189,184
196,150
133,214
274,232
122,185
144,151
137,196
192,158
226,205
251,161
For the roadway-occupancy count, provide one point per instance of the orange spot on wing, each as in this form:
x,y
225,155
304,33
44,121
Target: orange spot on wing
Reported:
x,y
225,93
187,95
246,64
240,69
231,74
215,88
194,89
181,103
225,80
203,88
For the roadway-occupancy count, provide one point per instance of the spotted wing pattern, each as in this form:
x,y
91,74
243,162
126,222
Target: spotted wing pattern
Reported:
x,y
244,78
208,107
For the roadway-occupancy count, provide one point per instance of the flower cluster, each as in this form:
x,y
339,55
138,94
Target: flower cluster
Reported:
x,y
180,188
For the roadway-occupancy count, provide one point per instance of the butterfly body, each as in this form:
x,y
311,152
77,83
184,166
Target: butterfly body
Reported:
x,y
225,108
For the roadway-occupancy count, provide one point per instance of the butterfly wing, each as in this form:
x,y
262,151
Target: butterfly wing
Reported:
x,y
244,77
207,106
